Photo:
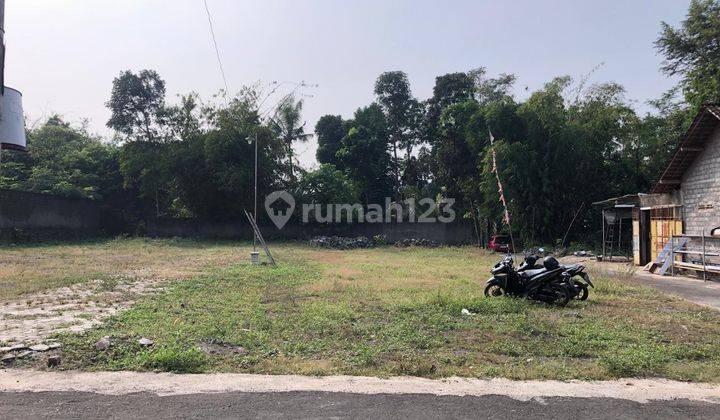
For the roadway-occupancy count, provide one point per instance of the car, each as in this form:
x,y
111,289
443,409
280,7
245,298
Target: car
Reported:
x,y
500,243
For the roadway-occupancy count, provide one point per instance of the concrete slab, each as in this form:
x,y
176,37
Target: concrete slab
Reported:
x,y
706,293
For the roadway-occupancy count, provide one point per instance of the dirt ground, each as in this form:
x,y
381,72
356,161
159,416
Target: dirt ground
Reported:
x,y
101,280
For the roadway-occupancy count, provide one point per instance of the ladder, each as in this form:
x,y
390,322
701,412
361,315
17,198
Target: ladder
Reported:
x,y
610,240
666,256
256,230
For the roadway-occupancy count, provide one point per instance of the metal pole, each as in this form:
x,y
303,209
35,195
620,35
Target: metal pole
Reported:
x,y
2,47
603,234
620,247
703,255
672,255
2,62
255,194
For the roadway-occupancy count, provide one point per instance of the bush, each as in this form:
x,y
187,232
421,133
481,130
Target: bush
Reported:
x,y
174,359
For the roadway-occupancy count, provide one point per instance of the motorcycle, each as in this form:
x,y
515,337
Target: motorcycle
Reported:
x,y
538,284
573,276
577,281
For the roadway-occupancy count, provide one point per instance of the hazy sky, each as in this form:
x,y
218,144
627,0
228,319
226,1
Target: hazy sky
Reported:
x,y
64,54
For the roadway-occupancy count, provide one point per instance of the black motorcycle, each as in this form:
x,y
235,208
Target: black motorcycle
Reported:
x,y
573,276
577,280
540,284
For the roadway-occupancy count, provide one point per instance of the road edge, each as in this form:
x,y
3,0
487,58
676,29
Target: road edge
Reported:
x,y
164,384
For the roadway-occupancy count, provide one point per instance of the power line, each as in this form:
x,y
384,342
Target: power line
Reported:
x,y
217,50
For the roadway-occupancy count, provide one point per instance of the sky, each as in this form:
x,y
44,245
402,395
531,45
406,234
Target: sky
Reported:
x,y
64,54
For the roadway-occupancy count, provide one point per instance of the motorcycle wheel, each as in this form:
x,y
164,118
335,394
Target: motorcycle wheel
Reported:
x,y
494,290
562,296
582,290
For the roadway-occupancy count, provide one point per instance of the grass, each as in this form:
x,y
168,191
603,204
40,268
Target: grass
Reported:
x,y
32,269
386,312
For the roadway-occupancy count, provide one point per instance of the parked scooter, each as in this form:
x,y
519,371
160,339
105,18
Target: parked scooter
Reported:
x,y
539,284
573,276
577,280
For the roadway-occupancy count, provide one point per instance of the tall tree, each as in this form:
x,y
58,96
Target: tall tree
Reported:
x,y
289,127
137,104
330,130
402,113
365,156
693,52
449,89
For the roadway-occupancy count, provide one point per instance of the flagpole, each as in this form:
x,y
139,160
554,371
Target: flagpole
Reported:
x,y
506,217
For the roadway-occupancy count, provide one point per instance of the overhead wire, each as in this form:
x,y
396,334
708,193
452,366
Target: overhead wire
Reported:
x,y
217,50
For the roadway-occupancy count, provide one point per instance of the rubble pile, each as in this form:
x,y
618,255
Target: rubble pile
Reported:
x,y
341,242
417,242
10,354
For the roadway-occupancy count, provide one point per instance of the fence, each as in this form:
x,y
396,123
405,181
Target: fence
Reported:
x,y
28,216
456,233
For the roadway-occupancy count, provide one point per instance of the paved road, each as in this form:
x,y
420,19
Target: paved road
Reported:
x,y
336,405
698,291
706,293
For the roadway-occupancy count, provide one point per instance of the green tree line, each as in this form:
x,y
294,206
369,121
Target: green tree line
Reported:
x,y
565,146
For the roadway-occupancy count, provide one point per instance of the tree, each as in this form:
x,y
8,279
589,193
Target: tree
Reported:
x,y
288,126
213,170
137,104
463,136
65,161
693,52
330,130
402,114
449,89
327,185
365,157
491,90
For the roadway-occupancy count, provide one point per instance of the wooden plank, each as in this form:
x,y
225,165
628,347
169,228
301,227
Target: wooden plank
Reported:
x,y
698,267
707,254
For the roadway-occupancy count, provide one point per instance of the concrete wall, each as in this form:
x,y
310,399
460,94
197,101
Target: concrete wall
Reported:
x,y
461,232
701,188
28,217
700,192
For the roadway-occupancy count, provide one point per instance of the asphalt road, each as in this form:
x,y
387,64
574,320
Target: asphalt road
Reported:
x,y
335,405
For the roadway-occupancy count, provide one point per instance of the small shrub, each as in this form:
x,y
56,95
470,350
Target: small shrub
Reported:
x,y
174,359
635,361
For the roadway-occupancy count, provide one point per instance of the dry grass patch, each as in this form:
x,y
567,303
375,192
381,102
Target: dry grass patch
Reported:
x,y
31,269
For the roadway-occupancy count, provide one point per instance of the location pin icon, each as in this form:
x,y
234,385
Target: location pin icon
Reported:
x,y
279,205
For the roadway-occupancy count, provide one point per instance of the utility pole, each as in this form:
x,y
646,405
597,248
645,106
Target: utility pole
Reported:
x,y
2,47
255,188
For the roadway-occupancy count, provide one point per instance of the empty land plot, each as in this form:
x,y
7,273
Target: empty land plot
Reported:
x,y
392,311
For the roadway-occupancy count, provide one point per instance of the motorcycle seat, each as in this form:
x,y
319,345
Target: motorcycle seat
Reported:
x,y
533,273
